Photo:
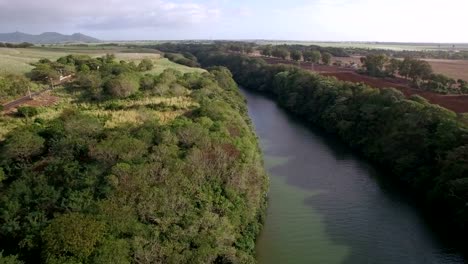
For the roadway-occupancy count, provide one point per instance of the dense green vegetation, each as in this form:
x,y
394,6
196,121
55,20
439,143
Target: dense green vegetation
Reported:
x,y
184,59
12,86
108,180
424,146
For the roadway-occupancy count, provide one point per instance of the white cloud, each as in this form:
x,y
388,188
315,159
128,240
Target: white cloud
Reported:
x,y
102,14
379,20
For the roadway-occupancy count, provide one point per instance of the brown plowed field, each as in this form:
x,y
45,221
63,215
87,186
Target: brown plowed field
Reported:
x,y
456,103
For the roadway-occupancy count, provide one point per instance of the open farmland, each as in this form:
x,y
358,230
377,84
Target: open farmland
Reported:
x,y
456,103
371,45
456,69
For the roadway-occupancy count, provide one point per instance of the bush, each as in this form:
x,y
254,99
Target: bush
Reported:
x,y
145,65
14,85
22,145
72,234
27,111
122,86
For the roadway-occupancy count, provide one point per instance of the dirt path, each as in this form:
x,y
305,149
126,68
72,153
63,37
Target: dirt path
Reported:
x,y
22,100
29,98
456,103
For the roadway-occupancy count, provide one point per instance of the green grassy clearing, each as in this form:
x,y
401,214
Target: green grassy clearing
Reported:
x,y
18,61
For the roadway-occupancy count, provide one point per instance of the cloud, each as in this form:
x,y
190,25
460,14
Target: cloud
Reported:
x,y
102,14
367,20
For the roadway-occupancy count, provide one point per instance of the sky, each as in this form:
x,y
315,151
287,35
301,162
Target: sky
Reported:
x,y
311,20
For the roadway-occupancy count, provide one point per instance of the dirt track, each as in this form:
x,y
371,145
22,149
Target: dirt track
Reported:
x,y
456,103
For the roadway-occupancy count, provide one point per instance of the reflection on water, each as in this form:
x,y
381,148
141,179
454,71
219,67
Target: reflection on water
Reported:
x,y
325,205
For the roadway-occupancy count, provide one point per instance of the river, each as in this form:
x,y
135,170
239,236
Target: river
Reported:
x,y
327,205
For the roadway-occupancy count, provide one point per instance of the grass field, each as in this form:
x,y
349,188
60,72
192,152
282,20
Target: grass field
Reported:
x,y
18,61
51,105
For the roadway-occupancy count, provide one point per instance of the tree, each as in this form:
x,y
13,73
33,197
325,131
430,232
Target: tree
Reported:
x,y
392,67
266,51
312,56
463,86
22,145
44,73
14,85
281,53
145,65
374,64
123,85
296,55
9,259
417,70
27,111
89,81
326,58
405,67
72,234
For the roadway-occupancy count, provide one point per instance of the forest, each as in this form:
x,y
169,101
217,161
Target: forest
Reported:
x,y
136,168
424,146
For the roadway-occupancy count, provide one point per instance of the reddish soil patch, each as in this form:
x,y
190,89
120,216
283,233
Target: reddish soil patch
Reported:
x,y
456,103
44,99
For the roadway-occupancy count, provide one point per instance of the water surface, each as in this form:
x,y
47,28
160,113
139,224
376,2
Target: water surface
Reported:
x,y
326,205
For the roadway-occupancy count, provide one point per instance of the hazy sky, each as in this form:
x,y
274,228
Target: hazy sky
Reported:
x,y
359,20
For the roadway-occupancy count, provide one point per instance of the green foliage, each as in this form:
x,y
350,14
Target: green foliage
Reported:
x,y
326,58
266,50
72,234
296,55
392,67
16,45
375,64
312,56
14,86
115,251
145,65
9,259
47,71
122,85
27,111
90,82
279,52
189,61
22,145
189,190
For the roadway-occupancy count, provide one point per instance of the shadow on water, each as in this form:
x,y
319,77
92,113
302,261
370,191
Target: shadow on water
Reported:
x,y
328,205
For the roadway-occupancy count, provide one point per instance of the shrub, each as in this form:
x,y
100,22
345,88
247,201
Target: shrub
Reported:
x,y
122,86
72,234
145,65
27,111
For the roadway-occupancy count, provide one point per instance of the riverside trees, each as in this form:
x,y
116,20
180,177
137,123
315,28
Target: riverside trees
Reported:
x,y
74,189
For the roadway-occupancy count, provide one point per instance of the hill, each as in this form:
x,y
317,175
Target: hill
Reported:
x,y
45,38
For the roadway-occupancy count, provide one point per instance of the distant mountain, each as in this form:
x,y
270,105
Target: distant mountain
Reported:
x,y
45,38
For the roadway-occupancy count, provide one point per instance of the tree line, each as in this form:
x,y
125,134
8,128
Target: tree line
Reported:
x,y
16,45
73,190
